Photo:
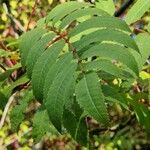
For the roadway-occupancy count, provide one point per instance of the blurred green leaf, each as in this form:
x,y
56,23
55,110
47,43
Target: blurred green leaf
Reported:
x,y
142,113
143,42
41,125
17,113
106,5
137,11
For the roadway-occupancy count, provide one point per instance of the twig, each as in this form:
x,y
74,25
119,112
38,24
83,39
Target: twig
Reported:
x,y
114,129
14,21
65,37
7,9
6,110
123,8
1,66
137,30
33,10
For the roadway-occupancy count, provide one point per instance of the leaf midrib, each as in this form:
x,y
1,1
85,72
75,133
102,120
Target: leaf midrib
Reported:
x,y
91,99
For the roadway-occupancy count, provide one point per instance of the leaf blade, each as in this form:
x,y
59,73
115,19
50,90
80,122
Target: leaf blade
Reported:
x,y
62,10
90,98
57,93
100,22
30,37
106,5
41,125
36,51
113,52
80,13
106,35
137,11
42,66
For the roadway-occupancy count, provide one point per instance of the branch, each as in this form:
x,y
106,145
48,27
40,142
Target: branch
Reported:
x,y
6,110
123,8
65,37
33,10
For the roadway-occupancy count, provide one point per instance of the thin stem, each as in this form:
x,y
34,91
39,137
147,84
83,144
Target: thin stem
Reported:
x,y
33,11
2,67
123,8
12,97
65,37
137,30
74,51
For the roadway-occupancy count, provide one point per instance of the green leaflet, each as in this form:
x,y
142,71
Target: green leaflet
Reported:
x,y
69,122
100,22
142,114
31,38
36,51
41,22
89,96
106,5
143,42
62,10
76,109
42,66
70,96
104,65
76,127
113,51
58,93
81,13
41,125
137,11
80,131
106,35
17,113
138,58
55,70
